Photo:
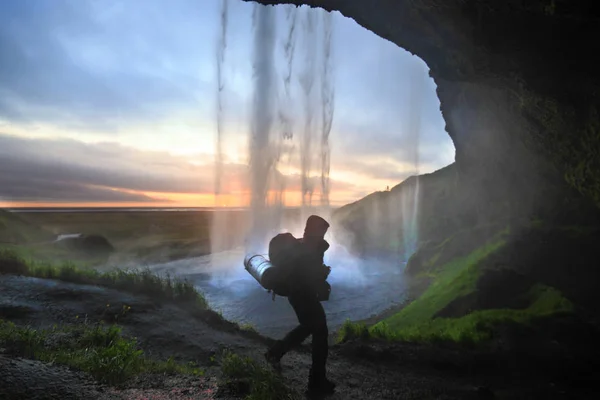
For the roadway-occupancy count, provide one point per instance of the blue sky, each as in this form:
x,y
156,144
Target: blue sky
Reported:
x,y
114,101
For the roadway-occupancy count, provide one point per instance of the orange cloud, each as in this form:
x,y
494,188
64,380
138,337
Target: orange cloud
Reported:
x,y
68,173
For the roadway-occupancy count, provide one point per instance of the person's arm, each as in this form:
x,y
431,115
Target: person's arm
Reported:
x,y
315,270
327,268
321,271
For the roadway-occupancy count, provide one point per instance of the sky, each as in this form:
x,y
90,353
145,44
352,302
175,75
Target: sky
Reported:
x,y
113,103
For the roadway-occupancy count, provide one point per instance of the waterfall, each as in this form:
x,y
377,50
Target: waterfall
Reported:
x,y
283,138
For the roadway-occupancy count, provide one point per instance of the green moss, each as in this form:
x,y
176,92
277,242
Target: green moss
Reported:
x,y
455,279
417,322
438,252
133,281
480,325
98,350
546,300
471,329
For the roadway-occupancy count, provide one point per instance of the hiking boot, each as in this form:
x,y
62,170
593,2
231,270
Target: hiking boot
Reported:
x,y
320,386
274,360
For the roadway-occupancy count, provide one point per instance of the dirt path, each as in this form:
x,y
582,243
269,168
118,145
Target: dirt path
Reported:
x,y
402,372
27,379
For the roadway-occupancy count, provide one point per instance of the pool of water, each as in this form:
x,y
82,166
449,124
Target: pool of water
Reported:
x,y
360,289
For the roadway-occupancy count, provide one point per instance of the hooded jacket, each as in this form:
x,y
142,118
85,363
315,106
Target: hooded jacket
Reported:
x,y
310,272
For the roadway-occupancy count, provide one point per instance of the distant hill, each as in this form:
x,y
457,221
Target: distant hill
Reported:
x,y
378,222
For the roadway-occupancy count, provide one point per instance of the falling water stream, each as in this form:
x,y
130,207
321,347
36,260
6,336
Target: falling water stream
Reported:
x,y
263,147
327,108
222,45
411,139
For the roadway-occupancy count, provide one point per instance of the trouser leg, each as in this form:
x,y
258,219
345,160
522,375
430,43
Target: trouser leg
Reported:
x,y
320,345
294,338
297,335
311,316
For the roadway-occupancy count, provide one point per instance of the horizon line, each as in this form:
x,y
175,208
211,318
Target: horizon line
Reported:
x,y
144,207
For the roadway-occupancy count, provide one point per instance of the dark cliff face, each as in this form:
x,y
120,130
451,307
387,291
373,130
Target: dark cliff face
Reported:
x,y
518,86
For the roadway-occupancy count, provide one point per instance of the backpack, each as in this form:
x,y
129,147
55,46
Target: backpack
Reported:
x,y
284,249
274,274
284,253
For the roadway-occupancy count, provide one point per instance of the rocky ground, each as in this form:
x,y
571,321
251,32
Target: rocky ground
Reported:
x,y
362,371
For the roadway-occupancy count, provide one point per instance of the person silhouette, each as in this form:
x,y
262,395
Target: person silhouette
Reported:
x,y
308,287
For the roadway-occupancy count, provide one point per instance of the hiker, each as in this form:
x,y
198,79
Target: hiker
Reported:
x,y
308,287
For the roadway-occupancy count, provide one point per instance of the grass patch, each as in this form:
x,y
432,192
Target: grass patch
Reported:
x,y
353,330
14,229
132,281
100,351
244,376
417,322
45,251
